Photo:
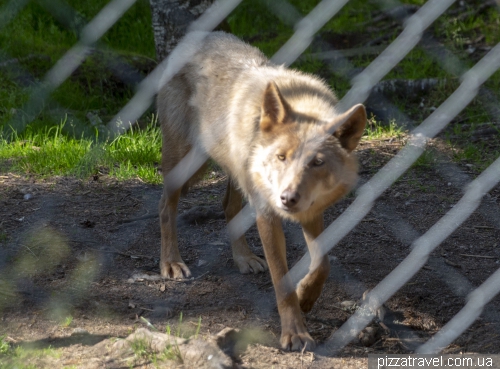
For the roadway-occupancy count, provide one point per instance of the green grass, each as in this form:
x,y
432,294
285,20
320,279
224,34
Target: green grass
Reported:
x,y
376,130
20,357
46,151
426,160
184,330
143,351
137,152
3,236
51,27
67,321
45,29
54,151
4,346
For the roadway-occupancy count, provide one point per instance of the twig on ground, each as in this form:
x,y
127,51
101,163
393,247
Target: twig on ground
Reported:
x,y
27,248
125,254
479,256
149,325
485,227
7,293
157,277
449,262
143,217
330,322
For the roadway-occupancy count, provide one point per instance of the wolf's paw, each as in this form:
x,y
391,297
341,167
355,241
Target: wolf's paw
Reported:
x,y
297,341
250,264
175,270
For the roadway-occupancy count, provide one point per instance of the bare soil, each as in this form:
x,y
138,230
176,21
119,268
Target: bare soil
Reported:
x,y
79,260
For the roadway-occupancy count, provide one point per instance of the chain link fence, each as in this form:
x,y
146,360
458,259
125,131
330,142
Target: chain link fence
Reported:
x,y
471,81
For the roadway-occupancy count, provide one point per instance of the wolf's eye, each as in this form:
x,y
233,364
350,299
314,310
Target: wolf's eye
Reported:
x,y
317,162
281,157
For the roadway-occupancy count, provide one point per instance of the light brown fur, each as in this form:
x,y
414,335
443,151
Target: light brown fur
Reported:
x,y
270,128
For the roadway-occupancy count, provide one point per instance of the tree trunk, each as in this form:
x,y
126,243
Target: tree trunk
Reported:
x,y
171,19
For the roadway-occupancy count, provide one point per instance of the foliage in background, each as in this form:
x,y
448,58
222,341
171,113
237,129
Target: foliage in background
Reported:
x,y
64,136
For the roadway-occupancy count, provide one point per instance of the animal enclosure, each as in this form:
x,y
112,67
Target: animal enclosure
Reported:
x,y
419,233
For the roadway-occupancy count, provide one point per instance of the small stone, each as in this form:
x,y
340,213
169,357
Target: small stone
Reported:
x,y
369,336
470,49
348,305
94,119
79,331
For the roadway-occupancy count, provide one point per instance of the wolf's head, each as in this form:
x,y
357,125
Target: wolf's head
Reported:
x,y
302,164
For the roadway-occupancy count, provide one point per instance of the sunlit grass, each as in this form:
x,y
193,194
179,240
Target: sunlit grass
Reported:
x,y
136,154
42,32
377,130
49,151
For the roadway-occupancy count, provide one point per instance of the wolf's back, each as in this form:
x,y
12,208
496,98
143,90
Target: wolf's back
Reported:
x,y
215,100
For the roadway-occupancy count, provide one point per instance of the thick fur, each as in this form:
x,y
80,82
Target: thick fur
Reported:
x,y
277,134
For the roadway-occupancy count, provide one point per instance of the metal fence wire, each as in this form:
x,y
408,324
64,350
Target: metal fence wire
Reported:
x,y
362,84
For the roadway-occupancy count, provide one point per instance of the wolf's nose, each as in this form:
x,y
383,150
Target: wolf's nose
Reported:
x,y
290,198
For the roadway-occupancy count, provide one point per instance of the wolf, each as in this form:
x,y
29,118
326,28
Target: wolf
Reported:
x,y
284,145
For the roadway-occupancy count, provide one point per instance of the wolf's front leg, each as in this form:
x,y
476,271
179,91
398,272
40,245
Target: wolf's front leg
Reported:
x,y
309,288
171,263
245,260
294,335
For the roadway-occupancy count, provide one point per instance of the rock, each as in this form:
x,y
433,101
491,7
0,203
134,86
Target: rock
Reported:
x,y
348,305
369,335
78,331
193,353
234,342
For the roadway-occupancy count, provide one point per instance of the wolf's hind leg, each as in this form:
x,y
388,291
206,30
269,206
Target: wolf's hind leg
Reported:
x,y
171,263
245,260
309,288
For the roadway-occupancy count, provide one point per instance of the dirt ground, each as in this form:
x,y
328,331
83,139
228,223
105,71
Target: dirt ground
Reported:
x,y
78,260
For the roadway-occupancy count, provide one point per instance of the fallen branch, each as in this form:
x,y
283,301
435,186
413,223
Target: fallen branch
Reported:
x,y
485,227
125,254
143,217
157,277
478,256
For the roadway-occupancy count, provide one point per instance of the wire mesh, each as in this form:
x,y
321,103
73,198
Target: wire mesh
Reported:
x,y
367,194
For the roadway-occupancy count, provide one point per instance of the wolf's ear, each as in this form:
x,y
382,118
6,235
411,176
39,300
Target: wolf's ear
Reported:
x,y
274,108
352,125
